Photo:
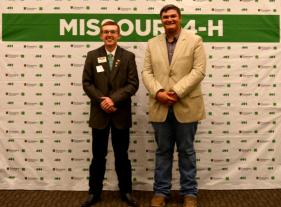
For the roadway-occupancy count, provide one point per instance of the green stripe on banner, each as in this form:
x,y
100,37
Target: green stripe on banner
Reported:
x,y
138,27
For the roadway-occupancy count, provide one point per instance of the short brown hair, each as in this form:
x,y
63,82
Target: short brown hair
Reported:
x,y
168,7
110,23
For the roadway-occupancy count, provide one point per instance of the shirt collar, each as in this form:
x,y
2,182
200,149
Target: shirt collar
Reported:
x,y
176,37
112,52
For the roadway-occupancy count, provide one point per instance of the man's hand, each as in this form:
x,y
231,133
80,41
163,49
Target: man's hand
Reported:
x,y
174,96
107,105
168,98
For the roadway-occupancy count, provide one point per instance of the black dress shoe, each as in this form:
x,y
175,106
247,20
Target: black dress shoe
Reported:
x,y
91,200
129,199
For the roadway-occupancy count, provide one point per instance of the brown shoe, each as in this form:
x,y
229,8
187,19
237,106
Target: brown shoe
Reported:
x,y
189,201
158,201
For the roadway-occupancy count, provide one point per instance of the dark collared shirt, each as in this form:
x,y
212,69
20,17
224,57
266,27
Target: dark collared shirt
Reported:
x,y
171,47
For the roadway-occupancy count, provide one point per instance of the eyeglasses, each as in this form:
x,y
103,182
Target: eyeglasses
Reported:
x,y
109,31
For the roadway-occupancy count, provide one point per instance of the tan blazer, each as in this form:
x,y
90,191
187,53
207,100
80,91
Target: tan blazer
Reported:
x,y
183,75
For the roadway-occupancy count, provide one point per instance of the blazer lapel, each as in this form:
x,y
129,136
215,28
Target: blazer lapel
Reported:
x,y
163,49
116,63
179,47
102,53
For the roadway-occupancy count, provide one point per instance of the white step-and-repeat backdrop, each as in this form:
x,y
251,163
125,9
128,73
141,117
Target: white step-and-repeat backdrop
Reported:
x,y
45,141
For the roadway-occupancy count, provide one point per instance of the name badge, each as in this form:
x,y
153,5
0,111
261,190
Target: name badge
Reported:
x,y
99,68
102,59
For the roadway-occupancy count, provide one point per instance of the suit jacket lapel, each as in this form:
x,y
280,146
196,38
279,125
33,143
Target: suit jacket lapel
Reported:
x,y
116,63
163,49
179,47
102,53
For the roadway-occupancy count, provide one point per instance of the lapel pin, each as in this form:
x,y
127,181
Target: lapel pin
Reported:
x,y
117,62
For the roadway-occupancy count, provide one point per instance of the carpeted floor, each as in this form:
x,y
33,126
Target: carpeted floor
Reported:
x,y
206,198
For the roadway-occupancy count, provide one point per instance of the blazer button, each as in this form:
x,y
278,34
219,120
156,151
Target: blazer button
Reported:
x,y
171,73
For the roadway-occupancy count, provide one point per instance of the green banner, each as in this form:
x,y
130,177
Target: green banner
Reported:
x,y
138,27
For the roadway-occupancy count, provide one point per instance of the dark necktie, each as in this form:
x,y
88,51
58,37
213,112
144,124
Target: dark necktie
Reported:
x,y
110,60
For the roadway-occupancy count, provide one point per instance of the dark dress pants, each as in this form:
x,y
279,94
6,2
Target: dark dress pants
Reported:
x,y
120,144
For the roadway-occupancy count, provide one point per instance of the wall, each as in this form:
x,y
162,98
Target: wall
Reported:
x,y
44,136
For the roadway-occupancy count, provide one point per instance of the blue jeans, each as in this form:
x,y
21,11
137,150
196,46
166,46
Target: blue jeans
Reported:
x,y
167,134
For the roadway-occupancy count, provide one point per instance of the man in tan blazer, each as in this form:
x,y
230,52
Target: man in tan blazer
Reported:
x,y
174,66
109,79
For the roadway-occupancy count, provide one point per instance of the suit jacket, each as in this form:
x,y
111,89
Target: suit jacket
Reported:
x,y
119,84
183,76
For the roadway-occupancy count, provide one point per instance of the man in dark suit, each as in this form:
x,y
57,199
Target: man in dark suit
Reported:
x,y
110,78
